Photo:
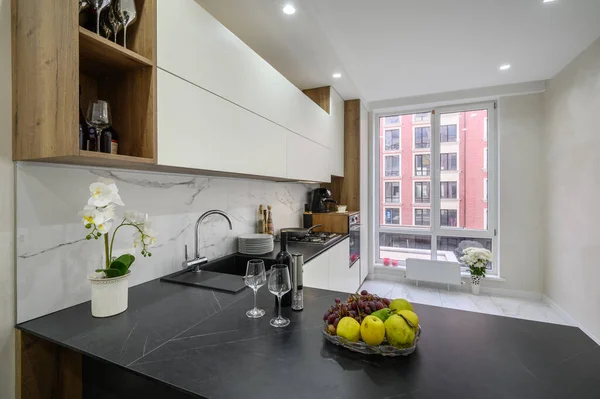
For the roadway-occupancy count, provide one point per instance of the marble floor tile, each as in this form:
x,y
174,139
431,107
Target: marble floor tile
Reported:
x,y
494,305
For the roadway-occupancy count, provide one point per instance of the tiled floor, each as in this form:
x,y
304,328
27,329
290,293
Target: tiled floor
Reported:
x,y
496,305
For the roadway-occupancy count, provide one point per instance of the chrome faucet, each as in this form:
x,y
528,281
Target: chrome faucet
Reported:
x,y
198,260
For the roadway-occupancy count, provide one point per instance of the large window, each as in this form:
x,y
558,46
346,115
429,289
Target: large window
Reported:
x,y
447,200
392,140
422,217
422,192
422,165
392,165
448,133
392,192
392,216
448,161
448,190
422,137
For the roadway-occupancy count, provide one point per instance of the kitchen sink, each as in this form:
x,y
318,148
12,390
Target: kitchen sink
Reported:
x,y
223,274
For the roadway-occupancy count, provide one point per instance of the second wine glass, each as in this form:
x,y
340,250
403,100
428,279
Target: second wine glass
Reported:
x,y
255,278
279,284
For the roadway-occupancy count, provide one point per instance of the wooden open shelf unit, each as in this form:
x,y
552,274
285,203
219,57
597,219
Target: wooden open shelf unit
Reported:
x,y
53,57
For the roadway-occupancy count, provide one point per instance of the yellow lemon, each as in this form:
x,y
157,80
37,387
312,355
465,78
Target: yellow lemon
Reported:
x,y
349,328
372,330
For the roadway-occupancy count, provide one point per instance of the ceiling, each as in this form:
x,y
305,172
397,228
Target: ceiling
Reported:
x,y
388,49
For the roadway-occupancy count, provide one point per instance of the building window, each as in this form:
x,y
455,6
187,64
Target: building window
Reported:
x,y
485,158
422,217
392,216
422,117
392,140
392,192
422,137
392,165
392,120
422,165
448,161
448,217
422,192
485,219
448,190
485,189
448,133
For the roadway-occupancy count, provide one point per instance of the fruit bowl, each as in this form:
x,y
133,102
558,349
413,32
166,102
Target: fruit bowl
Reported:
x,y
384,349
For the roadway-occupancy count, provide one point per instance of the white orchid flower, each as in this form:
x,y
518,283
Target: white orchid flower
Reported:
x,y
104,227
104,192
93,215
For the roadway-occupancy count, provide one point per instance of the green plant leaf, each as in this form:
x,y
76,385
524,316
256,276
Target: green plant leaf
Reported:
x,y
123,263
110,272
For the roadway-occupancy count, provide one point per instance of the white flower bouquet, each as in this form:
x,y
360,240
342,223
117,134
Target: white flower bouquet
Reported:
x,y
477,259
98,217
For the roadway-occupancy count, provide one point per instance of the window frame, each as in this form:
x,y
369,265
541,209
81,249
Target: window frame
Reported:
x,y
414,198
385,209
422,210
448,182
457,133
434,231
415,175
456,163
414,137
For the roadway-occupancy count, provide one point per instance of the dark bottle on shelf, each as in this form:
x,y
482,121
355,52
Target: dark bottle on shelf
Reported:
x,y
109,141
83,128
92,139
285,258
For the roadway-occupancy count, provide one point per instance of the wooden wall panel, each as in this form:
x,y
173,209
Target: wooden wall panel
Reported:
x,y
321,96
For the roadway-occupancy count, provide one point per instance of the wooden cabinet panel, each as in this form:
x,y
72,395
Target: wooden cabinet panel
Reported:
x,y
306,160
192,44
337,135
197,129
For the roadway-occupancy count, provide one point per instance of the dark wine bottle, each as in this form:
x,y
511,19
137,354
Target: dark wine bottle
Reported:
x,y
83,128
285,258
109,141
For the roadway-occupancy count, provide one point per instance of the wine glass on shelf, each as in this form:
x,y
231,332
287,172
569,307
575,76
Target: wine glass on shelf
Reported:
x,y
98,118
255,278
99,6
127,14
279,284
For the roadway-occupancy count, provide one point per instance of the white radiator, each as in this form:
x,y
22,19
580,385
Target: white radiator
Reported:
x,y
433,271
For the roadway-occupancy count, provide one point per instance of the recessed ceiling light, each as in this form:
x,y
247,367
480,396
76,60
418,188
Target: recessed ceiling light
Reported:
x,y
548,1
504,67
289,9
337,75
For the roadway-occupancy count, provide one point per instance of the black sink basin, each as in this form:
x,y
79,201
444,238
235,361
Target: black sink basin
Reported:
x,y
224,274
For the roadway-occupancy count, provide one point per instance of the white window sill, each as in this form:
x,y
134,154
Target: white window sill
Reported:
x,y
402,269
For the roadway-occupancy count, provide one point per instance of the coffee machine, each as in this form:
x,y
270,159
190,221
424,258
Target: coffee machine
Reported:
x,y
320,198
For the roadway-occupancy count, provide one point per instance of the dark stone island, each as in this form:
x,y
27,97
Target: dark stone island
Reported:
x,y
176,341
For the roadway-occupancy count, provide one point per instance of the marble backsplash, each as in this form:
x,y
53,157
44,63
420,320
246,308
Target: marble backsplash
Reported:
x,y
54,259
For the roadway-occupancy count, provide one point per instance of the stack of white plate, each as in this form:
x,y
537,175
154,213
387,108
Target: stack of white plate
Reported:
x,y
255,244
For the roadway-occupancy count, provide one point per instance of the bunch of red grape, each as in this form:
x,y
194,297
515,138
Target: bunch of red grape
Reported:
x,y
356,306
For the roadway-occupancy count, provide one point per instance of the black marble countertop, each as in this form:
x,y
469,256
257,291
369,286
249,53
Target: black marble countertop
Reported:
x,y
310,251
200,341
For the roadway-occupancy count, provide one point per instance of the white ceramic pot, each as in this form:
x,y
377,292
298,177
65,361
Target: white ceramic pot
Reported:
x,y
109,295
475,283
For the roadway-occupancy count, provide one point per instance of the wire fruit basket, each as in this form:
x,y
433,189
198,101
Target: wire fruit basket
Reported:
x,y
385,349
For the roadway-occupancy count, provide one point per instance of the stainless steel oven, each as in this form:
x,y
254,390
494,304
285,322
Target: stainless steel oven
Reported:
x,y
354,231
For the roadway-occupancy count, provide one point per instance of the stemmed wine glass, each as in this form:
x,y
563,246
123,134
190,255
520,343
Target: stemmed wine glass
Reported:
x,y
255,278
279,284
99,6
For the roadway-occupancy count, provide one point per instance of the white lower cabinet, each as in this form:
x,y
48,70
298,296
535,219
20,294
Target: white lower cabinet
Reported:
x,y
199,130
330,270
316,272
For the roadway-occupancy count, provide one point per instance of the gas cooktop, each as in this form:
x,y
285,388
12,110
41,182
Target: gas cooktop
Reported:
x,y
315,238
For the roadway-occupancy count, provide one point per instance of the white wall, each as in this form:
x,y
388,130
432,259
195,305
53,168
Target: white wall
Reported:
x,y
572,167
7,284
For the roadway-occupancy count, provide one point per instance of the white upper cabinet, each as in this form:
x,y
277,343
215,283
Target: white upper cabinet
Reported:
x,y
199,130
307,160
193,45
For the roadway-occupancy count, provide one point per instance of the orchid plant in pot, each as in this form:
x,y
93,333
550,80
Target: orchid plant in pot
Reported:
x,y
477,259
110,283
